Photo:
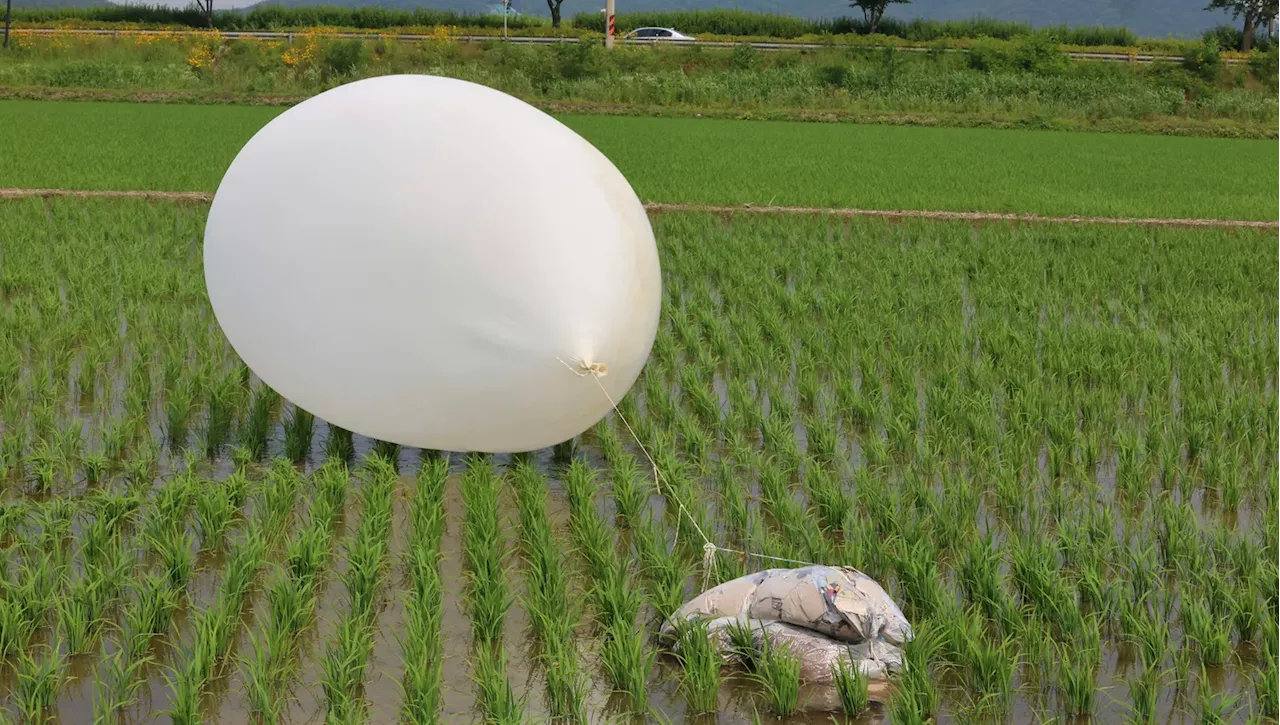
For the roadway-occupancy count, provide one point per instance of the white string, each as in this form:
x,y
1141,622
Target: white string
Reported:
x,y
708,549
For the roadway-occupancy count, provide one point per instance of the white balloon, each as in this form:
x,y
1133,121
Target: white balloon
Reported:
x,y
431,262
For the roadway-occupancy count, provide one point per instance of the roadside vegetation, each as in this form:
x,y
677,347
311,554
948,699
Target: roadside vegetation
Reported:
x,y
1026,83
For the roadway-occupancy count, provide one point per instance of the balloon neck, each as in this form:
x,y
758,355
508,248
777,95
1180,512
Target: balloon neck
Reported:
x,y
597,369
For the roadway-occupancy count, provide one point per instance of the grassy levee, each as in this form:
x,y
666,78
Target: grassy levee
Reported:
x,y
704,161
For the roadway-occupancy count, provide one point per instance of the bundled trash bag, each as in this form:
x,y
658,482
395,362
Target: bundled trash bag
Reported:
x,y
822,614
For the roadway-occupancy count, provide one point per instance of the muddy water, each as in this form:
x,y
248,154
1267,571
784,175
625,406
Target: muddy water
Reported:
x,y
226,700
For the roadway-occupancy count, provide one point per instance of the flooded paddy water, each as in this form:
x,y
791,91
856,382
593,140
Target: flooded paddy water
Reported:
x,y
1054,448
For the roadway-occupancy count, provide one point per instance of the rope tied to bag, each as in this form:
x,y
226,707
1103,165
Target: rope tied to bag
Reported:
x,y
598,370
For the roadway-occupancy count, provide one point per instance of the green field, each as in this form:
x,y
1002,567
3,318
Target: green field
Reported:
x,y
177,147
1055,446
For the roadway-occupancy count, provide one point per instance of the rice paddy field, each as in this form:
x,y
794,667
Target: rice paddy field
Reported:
x,y
88,145
1055,446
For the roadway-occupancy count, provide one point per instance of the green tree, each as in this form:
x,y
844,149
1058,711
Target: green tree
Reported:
x,y
1254,12
873,10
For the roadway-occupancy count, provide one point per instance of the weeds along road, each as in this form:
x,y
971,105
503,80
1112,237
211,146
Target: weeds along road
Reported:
x,y
758,45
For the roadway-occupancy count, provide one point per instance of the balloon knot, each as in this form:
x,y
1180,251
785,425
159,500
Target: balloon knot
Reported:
x,y
597,369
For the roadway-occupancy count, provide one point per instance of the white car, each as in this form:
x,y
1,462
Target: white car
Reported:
x,y
656,34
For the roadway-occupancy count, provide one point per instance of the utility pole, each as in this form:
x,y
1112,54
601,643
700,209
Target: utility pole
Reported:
x,y
506,10
608,23
8,12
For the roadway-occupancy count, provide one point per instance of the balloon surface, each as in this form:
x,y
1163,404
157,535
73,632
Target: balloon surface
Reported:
x,y
431,262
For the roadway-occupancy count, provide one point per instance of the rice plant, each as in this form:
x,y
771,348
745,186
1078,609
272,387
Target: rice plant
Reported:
x,y
486,594
494,695
340,445
117,681
1144,695
299,428
421,643
851,685
38,683
344,667
256,429
628,661
778,675
700,667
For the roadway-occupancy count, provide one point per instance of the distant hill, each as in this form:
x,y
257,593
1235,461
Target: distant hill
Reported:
x,y
1149,18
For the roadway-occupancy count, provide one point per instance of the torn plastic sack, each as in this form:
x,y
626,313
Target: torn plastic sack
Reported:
x,y
822,614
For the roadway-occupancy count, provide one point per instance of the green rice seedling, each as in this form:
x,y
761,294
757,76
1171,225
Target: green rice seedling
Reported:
x,y
263,675
742,644
153,609
832,502
990,671
494,695
1213,708
257,428
339,445
700,675
176,550
389,452
242,566
1077,674
1266,688
915,700
80,612
614,597
185,684
486,594
421,644
851,687
292,603
366,556
1246,613
214,511
223,397
1144,696
1150,633
628,661
921,581
628,495
566,685
93,466
38,684
661,569
178,414
343,668
139,470
778,675
1213,642
17,625
299,428
307,553
116,684
1182,656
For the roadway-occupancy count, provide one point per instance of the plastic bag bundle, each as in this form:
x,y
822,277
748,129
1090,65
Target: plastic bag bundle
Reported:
x,y
822,614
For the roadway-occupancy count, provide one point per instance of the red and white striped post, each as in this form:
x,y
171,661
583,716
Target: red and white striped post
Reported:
x,y
608,23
